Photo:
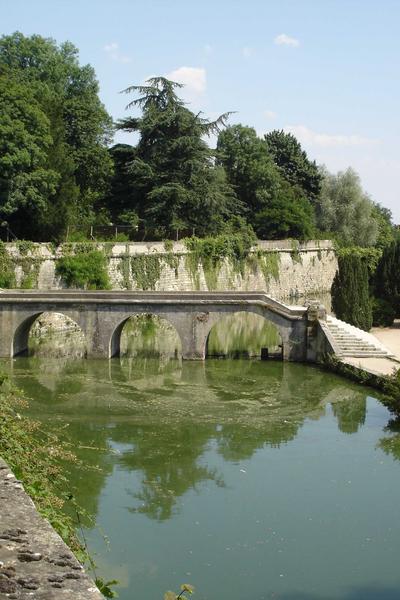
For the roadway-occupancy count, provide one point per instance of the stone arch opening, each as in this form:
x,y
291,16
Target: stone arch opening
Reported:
x,y
146,335
244,334
49,334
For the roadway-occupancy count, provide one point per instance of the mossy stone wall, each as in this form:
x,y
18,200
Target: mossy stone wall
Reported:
x,y
282,268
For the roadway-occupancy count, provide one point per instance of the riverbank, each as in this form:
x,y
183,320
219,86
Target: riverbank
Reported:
x,y
33,489
34,560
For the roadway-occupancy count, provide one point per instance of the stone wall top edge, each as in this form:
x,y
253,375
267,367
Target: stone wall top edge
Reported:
x,y
45,251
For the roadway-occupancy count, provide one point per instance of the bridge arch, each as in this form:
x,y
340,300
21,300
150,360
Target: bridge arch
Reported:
x,y
155,320
287,329
244,333
20,336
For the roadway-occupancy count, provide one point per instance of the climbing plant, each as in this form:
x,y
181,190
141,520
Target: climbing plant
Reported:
x,y
7,275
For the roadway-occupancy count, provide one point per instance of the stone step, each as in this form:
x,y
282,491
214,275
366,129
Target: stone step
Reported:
x,y
364,354
353,342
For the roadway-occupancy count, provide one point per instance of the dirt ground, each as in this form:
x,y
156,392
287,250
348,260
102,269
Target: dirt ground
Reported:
x,y
389,336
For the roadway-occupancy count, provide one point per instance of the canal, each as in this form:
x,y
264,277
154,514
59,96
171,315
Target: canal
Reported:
x,y
246,478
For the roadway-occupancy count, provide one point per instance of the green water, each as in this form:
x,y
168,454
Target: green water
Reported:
x,y
247,479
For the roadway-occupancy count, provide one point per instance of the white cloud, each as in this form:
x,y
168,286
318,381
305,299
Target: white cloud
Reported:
x,y
270,114
312,138
193,78
114,53
286,40
247,51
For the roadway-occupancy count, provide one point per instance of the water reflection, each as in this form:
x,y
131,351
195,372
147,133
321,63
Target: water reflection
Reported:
x,y
164,416
243,334
247,468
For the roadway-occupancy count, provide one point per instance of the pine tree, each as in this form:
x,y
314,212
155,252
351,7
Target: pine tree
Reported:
x,y
175,184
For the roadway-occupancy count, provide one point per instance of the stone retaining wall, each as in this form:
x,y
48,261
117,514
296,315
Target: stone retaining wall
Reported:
x,y
284,269
34,560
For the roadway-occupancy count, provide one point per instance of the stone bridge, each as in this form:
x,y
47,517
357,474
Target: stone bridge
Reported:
x,y
102,315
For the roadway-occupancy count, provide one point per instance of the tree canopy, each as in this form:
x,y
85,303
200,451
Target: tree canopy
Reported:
x,y
345,209
273,206
58,173
172,180
294,164
55,166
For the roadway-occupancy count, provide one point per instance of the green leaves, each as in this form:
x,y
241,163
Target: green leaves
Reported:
x,y
87,270
186,588
54,164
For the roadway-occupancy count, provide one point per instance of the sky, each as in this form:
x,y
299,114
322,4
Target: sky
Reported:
x,y
325,70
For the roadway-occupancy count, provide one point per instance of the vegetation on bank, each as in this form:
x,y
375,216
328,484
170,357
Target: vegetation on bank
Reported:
x,y
366,288
36,456
39,456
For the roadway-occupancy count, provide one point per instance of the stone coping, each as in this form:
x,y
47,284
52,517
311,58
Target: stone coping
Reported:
x,y
43,250
35,563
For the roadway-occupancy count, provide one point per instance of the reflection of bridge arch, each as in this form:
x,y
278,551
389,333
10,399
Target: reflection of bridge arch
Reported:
x,y
115,340
20,337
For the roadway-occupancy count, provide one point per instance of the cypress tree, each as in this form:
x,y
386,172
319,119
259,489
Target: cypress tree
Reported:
x,y
387,276
350,292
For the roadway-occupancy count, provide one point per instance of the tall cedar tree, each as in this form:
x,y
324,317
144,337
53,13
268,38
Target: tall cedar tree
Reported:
x,y
350,292
172,180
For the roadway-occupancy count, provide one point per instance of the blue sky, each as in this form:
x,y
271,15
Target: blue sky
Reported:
x,y
327,70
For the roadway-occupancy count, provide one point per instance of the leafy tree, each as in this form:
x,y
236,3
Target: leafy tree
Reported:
x,y
249,168
350,292
172,178
26,179
346,210
383,218
73,146
285,216
293,163
274,207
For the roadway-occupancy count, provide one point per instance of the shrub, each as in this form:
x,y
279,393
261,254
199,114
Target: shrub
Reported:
x,y
84,270
383,313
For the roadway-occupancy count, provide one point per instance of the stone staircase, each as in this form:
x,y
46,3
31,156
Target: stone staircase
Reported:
x,y
349,341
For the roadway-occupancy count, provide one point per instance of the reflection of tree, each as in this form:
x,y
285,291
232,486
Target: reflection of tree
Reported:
x,y
167,455
90,443
242,333
391,445
166,414
351,412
